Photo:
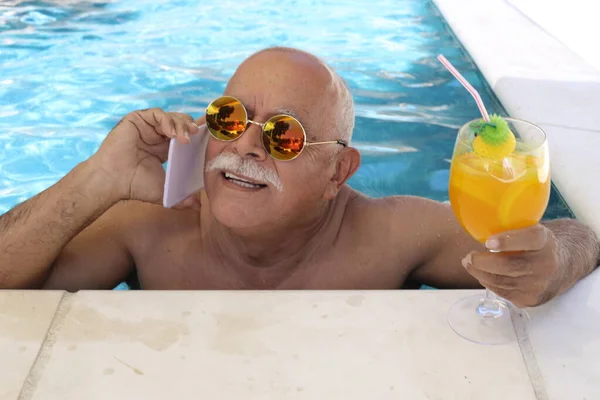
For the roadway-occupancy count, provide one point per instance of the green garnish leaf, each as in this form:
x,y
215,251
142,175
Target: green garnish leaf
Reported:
x,y
496,132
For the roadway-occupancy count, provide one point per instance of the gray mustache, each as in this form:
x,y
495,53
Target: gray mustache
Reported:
x,y
247,167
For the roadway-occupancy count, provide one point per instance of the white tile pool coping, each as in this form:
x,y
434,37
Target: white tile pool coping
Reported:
x,y
288,345
516,45
343,344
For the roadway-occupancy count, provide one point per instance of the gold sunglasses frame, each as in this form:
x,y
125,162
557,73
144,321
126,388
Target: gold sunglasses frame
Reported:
x,y
306,143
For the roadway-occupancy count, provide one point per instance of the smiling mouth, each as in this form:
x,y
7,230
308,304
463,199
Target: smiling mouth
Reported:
x,y
241,181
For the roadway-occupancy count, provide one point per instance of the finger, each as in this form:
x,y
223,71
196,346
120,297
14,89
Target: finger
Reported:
x,y
181,130
528,239
507,264
517,298
513,296
157,118
193,128
148,123
167,125
183,116
189,123
489,279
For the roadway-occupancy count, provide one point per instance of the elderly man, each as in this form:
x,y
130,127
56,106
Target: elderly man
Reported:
x,y
268,217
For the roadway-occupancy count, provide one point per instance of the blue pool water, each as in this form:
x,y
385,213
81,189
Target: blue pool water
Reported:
x,y
71,70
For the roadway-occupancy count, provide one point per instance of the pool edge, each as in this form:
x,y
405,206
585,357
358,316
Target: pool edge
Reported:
x,y
541,80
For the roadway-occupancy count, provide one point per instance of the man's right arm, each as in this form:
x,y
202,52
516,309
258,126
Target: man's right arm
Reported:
x,y
40,240
34,234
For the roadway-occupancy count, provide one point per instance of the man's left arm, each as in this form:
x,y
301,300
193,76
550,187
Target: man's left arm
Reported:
x,y
536,264
578,251
530,266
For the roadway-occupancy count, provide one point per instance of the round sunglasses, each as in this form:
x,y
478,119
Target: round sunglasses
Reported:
x,y
284,137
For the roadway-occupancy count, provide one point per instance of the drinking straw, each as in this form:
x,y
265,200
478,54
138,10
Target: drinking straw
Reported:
x,y
467,86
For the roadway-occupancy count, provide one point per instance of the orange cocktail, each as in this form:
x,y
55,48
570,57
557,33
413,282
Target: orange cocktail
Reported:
x,y
500,176
499,181
493,196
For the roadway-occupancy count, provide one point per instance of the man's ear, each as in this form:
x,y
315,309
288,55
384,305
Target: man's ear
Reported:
x,y
346,163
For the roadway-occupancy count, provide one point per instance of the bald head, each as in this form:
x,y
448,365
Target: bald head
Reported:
x,y
309,86
286,81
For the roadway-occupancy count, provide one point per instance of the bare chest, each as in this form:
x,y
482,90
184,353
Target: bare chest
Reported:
x,y
363,266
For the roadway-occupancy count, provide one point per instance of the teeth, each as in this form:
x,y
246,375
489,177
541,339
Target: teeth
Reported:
x,y
244,184
239,181
231,176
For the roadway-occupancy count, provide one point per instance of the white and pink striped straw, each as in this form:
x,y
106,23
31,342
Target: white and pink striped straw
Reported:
x,y
467,86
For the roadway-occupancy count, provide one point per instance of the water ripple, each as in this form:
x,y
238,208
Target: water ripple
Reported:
x,y
72,69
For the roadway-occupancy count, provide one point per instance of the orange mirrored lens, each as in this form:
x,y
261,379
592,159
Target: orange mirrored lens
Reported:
x,y
226,118
283,137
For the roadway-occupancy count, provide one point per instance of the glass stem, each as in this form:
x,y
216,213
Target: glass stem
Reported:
x,y
490,307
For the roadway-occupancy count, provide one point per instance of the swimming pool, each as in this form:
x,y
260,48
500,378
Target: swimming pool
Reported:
x,y
71,71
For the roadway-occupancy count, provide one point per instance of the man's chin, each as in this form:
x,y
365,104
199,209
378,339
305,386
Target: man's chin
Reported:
x,y
239,209
236,222
236,214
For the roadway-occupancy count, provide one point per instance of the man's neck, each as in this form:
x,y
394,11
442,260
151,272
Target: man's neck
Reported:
x,y
282,247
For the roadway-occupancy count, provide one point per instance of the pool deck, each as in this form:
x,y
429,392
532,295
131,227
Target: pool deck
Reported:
x,y
345,344
289,345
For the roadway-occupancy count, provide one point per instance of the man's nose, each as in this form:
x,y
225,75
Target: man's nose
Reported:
x,y
250,143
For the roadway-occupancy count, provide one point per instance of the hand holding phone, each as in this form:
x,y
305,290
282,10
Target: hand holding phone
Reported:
x,y
185,168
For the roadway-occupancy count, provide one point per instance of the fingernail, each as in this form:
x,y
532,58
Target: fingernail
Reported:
x,y
466,262
187,136
492,244
174,133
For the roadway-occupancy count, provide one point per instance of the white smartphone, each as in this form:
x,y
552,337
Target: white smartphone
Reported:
x,y
185,168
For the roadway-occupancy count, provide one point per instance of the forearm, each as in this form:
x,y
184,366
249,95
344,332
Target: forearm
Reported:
x,y
578,252
34,233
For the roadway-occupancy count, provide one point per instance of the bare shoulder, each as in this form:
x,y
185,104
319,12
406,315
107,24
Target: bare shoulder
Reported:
x,y
419,235
105,253
408,228
399,213
142,224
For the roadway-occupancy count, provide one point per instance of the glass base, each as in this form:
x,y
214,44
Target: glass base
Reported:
x,y
492,328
